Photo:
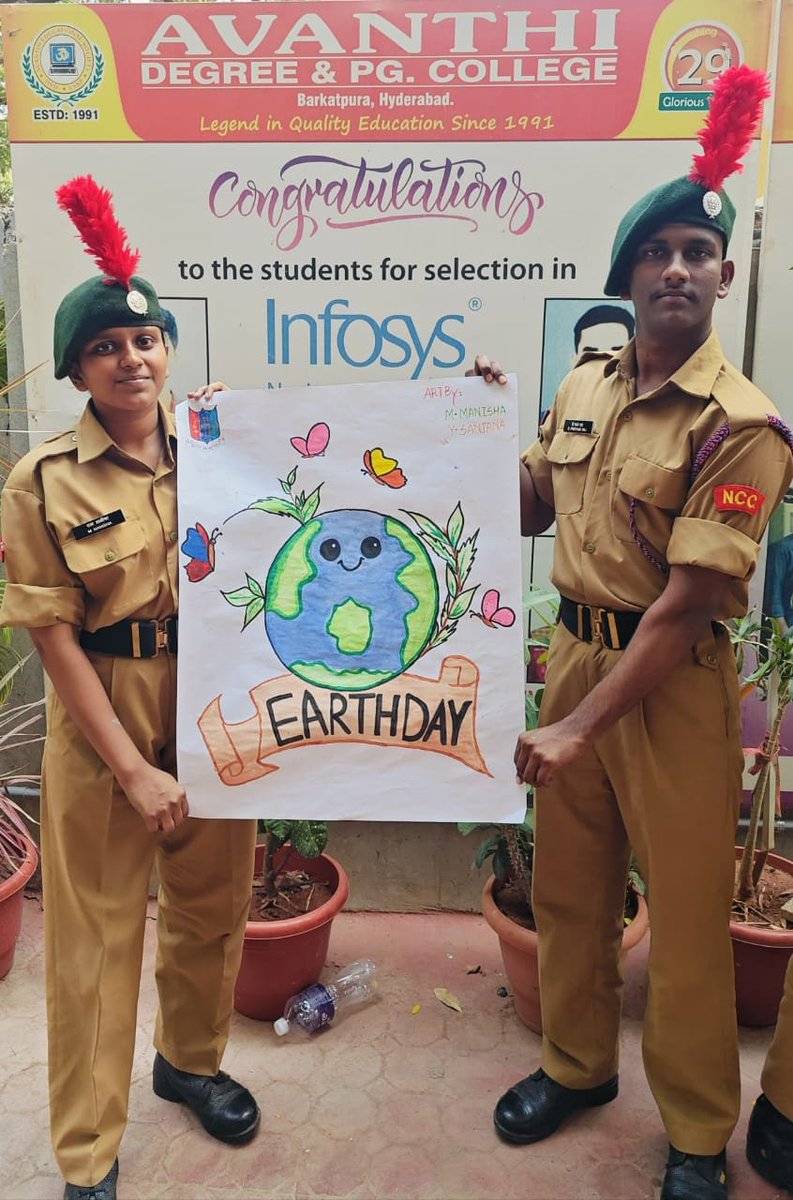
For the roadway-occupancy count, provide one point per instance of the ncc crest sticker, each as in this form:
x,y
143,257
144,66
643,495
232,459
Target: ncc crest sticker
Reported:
x,y
737,497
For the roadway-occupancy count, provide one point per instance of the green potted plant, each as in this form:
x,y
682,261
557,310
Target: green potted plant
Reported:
x,y
297,891
506,897
19,727
762,938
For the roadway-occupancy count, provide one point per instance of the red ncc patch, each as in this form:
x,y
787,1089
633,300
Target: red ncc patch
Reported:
x,y
737,497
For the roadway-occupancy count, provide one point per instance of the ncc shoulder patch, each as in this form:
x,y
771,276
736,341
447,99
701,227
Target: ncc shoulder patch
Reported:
x,y
738,497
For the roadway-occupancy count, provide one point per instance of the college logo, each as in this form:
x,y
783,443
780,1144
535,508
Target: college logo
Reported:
x,y
693,61
62,66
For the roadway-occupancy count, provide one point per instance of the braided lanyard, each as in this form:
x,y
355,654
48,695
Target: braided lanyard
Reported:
x,y
704,453
647,550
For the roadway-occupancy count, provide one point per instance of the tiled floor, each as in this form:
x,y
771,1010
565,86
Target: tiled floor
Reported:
x,y
387,1105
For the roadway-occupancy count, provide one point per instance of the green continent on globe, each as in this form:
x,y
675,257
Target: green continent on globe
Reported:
x,y
351,600
292,569
417,581
351,625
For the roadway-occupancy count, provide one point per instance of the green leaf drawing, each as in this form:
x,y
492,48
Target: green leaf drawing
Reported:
x,y
292,476
274,504
443,551
311,504
433,531
461,604
466,555
255,586
253,610
285,488
455,527
239,598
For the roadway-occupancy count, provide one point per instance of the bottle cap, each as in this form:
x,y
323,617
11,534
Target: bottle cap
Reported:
x,y
281,1026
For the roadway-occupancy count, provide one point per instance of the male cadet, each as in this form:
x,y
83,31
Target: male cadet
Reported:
x,y
661,467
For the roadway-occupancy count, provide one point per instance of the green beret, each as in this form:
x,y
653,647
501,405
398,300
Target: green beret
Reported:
x,y
96,305
680,201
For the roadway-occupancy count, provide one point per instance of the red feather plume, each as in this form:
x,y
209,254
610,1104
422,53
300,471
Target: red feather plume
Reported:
x,y
736,108
91,209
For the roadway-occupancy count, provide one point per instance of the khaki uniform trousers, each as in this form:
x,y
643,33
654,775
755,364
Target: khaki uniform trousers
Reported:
x,y
666,781
777,1077
97,857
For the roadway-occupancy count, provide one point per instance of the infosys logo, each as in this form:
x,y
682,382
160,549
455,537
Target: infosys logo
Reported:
x,y
360,340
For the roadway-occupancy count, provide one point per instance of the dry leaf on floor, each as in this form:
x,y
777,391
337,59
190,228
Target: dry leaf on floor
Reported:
x,y
477,970
415,1009
448,999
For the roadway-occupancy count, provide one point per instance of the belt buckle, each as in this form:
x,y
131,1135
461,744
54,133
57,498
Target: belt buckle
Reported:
x,y
596,621
161,641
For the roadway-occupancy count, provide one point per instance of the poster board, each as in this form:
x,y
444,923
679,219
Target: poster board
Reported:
x,y
350,599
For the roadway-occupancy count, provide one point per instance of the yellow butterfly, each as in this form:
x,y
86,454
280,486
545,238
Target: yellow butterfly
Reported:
x,y
383,470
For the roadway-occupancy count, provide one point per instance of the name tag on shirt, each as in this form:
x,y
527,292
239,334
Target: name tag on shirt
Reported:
x,y
97,524
577,426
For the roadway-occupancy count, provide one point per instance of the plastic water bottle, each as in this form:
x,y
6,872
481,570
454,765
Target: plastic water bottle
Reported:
x,y
317,1005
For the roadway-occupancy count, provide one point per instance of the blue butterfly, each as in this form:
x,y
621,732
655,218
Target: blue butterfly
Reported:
x,y
199,546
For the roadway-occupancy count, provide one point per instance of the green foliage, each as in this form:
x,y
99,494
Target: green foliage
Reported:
x,y
298,505
6,185
308,838
17,730
250,597
510,848
764,656
458,555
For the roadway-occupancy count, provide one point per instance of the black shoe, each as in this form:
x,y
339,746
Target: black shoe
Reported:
x,y
695,1176
104,1190
769,1144
224,1107
536,1107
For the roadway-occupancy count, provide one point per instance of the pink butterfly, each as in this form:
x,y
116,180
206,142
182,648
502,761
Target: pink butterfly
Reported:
x,y
314,443
492,613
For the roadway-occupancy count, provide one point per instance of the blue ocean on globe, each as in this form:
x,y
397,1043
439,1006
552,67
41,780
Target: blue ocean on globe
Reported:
x,y
351,600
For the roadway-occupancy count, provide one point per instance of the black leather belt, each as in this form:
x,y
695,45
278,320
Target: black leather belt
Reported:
x,y
134,639
612,629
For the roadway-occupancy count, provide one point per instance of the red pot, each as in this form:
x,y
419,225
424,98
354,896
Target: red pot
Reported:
x,y
519,952
761,958
12,893
280,958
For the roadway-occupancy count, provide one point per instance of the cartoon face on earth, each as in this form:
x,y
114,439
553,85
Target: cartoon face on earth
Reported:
x,y
351,600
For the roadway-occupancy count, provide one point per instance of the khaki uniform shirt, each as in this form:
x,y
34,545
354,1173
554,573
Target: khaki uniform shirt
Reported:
x,y
126,570
631,496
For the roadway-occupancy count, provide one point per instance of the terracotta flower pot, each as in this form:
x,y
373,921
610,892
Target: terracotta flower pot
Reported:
x,y
519,952
12,893
761,957
281,957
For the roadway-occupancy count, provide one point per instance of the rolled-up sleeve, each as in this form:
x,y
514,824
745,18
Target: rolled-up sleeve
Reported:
x,y
730,502
40,589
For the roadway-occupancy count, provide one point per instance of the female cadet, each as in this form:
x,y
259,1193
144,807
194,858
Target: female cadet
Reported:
x,y
90,531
